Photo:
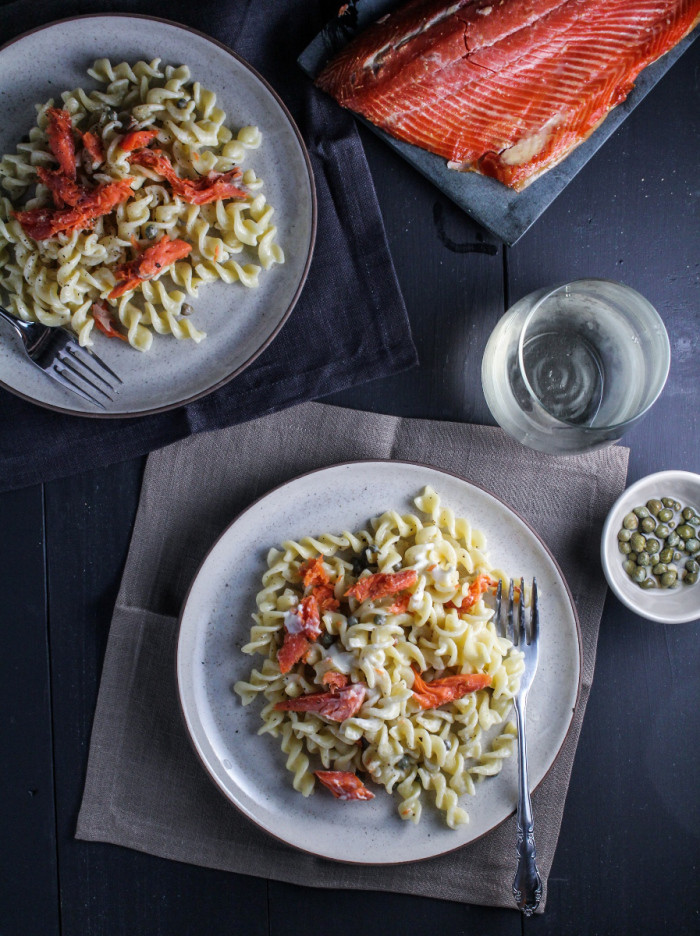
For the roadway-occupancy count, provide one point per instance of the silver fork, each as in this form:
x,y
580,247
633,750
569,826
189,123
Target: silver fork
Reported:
x,y
58,354
527,885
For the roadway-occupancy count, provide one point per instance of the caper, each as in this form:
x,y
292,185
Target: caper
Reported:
x,y
150,231
630,522
643,559
327,639
352,621
653,545
676,557
668,502
639,574
637,542
624,548
662,531
665,515
404,763
692,545
641,512
685,532
654,506
629,566
676,506
186,309
660,568
181,103
666,555
648,525
654,558
633,556
668,579
624,536
692,565
680,544
671,524
694,520
672,538
647,584
687,513
690,578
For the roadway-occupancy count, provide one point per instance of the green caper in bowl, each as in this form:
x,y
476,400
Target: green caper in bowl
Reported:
x,y
653,537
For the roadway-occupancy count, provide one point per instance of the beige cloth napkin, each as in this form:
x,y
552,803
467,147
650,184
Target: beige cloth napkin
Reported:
x,y
146,789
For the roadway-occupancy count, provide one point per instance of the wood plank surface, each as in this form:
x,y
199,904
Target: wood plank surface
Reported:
x,y
106,890
28,883
626,861
627,856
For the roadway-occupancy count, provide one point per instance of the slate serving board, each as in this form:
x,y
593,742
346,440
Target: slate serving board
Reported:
x,y
505,213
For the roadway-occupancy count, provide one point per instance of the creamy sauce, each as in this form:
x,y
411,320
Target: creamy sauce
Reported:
x,y
292,623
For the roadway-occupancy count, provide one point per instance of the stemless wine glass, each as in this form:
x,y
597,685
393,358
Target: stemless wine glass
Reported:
x,y
570,368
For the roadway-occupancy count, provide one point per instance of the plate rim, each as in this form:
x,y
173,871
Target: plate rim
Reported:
x,y
312,242
275,489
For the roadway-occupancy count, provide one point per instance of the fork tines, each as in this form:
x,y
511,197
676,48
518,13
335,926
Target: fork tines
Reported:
x,y
515,609
71,363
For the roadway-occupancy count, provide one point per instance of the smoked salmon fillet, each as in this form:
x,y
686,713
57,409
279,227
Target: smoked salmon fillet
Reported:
x,y
506,88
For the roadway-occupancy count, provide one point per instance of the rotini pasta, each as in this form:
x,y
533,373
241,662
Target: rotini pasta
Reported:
x,y
382,659
56,278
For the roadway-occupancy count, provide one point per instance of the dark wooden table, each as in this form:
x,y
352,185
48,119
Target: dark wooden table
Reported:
x,y
627,860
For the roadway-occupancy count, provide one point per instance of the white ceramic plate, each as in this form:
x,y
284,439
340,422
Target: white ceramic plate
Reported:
x,y
239,322
215,623
665,606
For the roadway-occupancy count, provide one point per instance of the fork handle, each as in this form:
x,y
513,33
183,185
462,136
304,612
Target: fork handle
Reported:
x,y
527,885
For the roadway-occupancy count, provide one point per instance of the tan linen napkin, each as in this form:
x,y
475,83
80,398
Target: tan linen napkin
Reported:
x,y
145,787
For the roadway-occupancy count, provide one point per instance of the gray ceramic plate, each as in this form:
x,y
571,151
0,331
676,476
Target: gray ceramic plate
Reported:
x,y
215,623
505,213
239,322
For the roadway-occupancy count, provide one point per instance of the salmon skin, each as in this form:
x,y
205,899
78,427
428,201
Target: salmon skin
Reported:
x,y
506,88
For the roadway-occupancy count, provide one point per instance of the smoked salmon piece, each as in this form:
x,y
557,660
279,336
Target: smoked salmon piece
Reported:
x,y
104,323
506,88
294,648
335,706
149,264
61,142
315,576
137,139
313,572
335,680
344,785
93,144
42,223
213,187
63,189
382,584
439,691
481,584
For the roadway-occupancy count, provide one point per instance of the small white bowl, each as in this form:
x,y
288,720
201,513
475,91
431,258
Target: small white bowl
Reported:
x,y
668,605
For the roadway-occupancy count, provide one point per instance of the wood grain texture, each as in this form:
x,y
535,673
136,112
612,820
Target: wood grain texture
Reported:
x,y
28,884
304,910
626,858
627,855
107,890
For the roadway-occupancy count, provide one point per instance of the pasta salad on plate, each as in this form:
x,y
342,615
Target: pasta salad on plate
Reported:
x,y
382,662
116,189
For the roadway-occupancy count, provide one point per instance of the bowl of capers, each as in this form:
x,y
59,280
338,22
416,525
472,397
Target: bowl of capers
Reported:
x,y
650,548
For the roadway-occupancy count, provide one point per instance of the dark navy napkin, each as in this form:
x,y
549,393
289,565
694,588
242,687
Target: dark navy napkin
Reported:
x,y
350,323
